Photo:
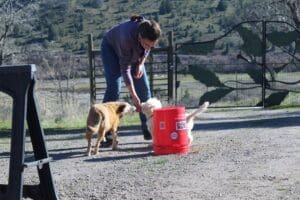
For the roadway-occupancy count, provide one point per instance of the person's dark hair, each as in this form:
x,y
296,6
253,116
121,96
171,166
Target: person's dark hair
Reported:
x,y
147,28
136,18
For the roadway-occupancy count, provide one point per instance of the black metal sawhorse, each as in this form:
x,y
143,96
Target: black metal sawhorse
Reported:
x,y
18,82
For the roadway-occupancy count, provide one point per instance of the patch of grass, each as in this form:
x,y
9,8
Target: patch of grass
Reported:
x,y
130,120
65,123
161,161
282,189
78,122
5,124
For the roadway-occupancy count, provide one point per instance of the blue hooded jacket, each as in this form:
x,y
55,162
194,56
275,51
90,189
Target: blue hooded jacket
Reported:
x,y
123,38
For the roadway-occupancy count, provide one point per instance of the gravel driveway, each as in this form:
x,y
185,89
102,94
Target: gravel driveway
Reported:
x,y
242,154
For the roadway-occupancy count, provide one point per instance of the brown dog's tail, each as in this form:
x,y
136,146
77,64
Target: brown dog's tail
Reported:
x,y
201,109
92,129
95,118
89,132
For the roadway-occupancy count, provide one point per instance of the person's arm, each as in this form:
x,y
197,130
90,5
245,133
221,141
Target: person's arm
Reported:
x,y
139,71
125,50
135,99
125,65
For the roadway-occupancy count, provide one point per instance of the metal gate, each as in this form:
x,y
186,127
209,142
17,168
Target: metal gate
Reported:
x,y
255,64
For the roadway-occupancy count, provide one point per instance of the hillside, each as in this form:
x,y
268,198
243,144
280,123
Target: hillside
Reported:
x,y
64,24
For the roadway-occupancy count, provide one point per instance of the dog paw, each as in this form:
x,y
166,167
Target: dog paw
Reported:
x,y
88,153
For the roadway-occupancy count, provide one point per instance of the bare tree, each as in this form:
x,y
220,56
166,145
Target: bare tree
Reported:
x,y
294,6
62,71
13,14
281,10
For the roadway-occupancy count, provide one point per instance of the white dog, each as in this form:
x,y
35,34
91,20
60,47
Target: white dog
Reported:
x,y
190,119
153,103
148,108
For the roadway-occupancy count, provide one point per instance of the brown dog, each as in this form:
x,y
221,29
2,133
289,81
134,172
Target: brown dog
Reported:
x,y
102,118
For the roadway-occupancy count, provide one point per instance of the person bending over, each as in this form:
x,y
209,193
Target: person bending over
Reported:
x,y
124,50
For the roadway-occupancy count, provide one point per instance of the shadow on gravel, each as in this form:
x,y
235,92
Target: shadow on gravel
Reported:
x,y
5,133
77,152
4,155
54,131
269,121
254,115
135,149
67,153
122,157
123,130
259,123
76,133
132,143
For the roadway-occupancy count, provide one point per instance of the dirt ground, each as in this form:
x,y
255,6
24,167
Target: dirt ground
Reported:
x,y
242,154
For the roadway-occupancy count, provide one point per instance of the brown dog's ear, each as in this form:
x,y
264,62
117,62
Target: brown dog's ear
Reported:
x,y
121,108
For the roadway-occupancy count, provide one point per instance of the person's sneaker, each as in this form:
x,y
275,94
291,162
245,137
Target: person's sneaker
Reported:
x,y
147,135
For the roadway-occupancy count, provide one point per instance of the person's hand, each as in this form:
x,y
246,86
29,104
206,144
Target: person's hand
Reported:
x,y
139,72
137,103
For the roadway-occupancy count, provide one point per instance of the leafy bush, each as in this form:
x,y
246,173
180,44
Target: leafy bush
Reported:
x,y
165,7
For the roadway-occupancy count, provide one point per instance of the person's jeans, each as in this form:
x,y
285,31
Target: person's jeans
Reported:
x,y
112,74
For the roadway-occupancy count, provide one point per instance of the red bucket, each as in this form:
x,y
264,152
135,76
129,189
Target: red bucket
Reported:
x,y
170,131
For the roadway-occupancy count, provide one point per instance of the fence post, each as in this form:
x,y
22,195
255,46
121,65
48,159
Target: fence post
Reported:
x,y
170,67
91,70
264,46
151,76
176,73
